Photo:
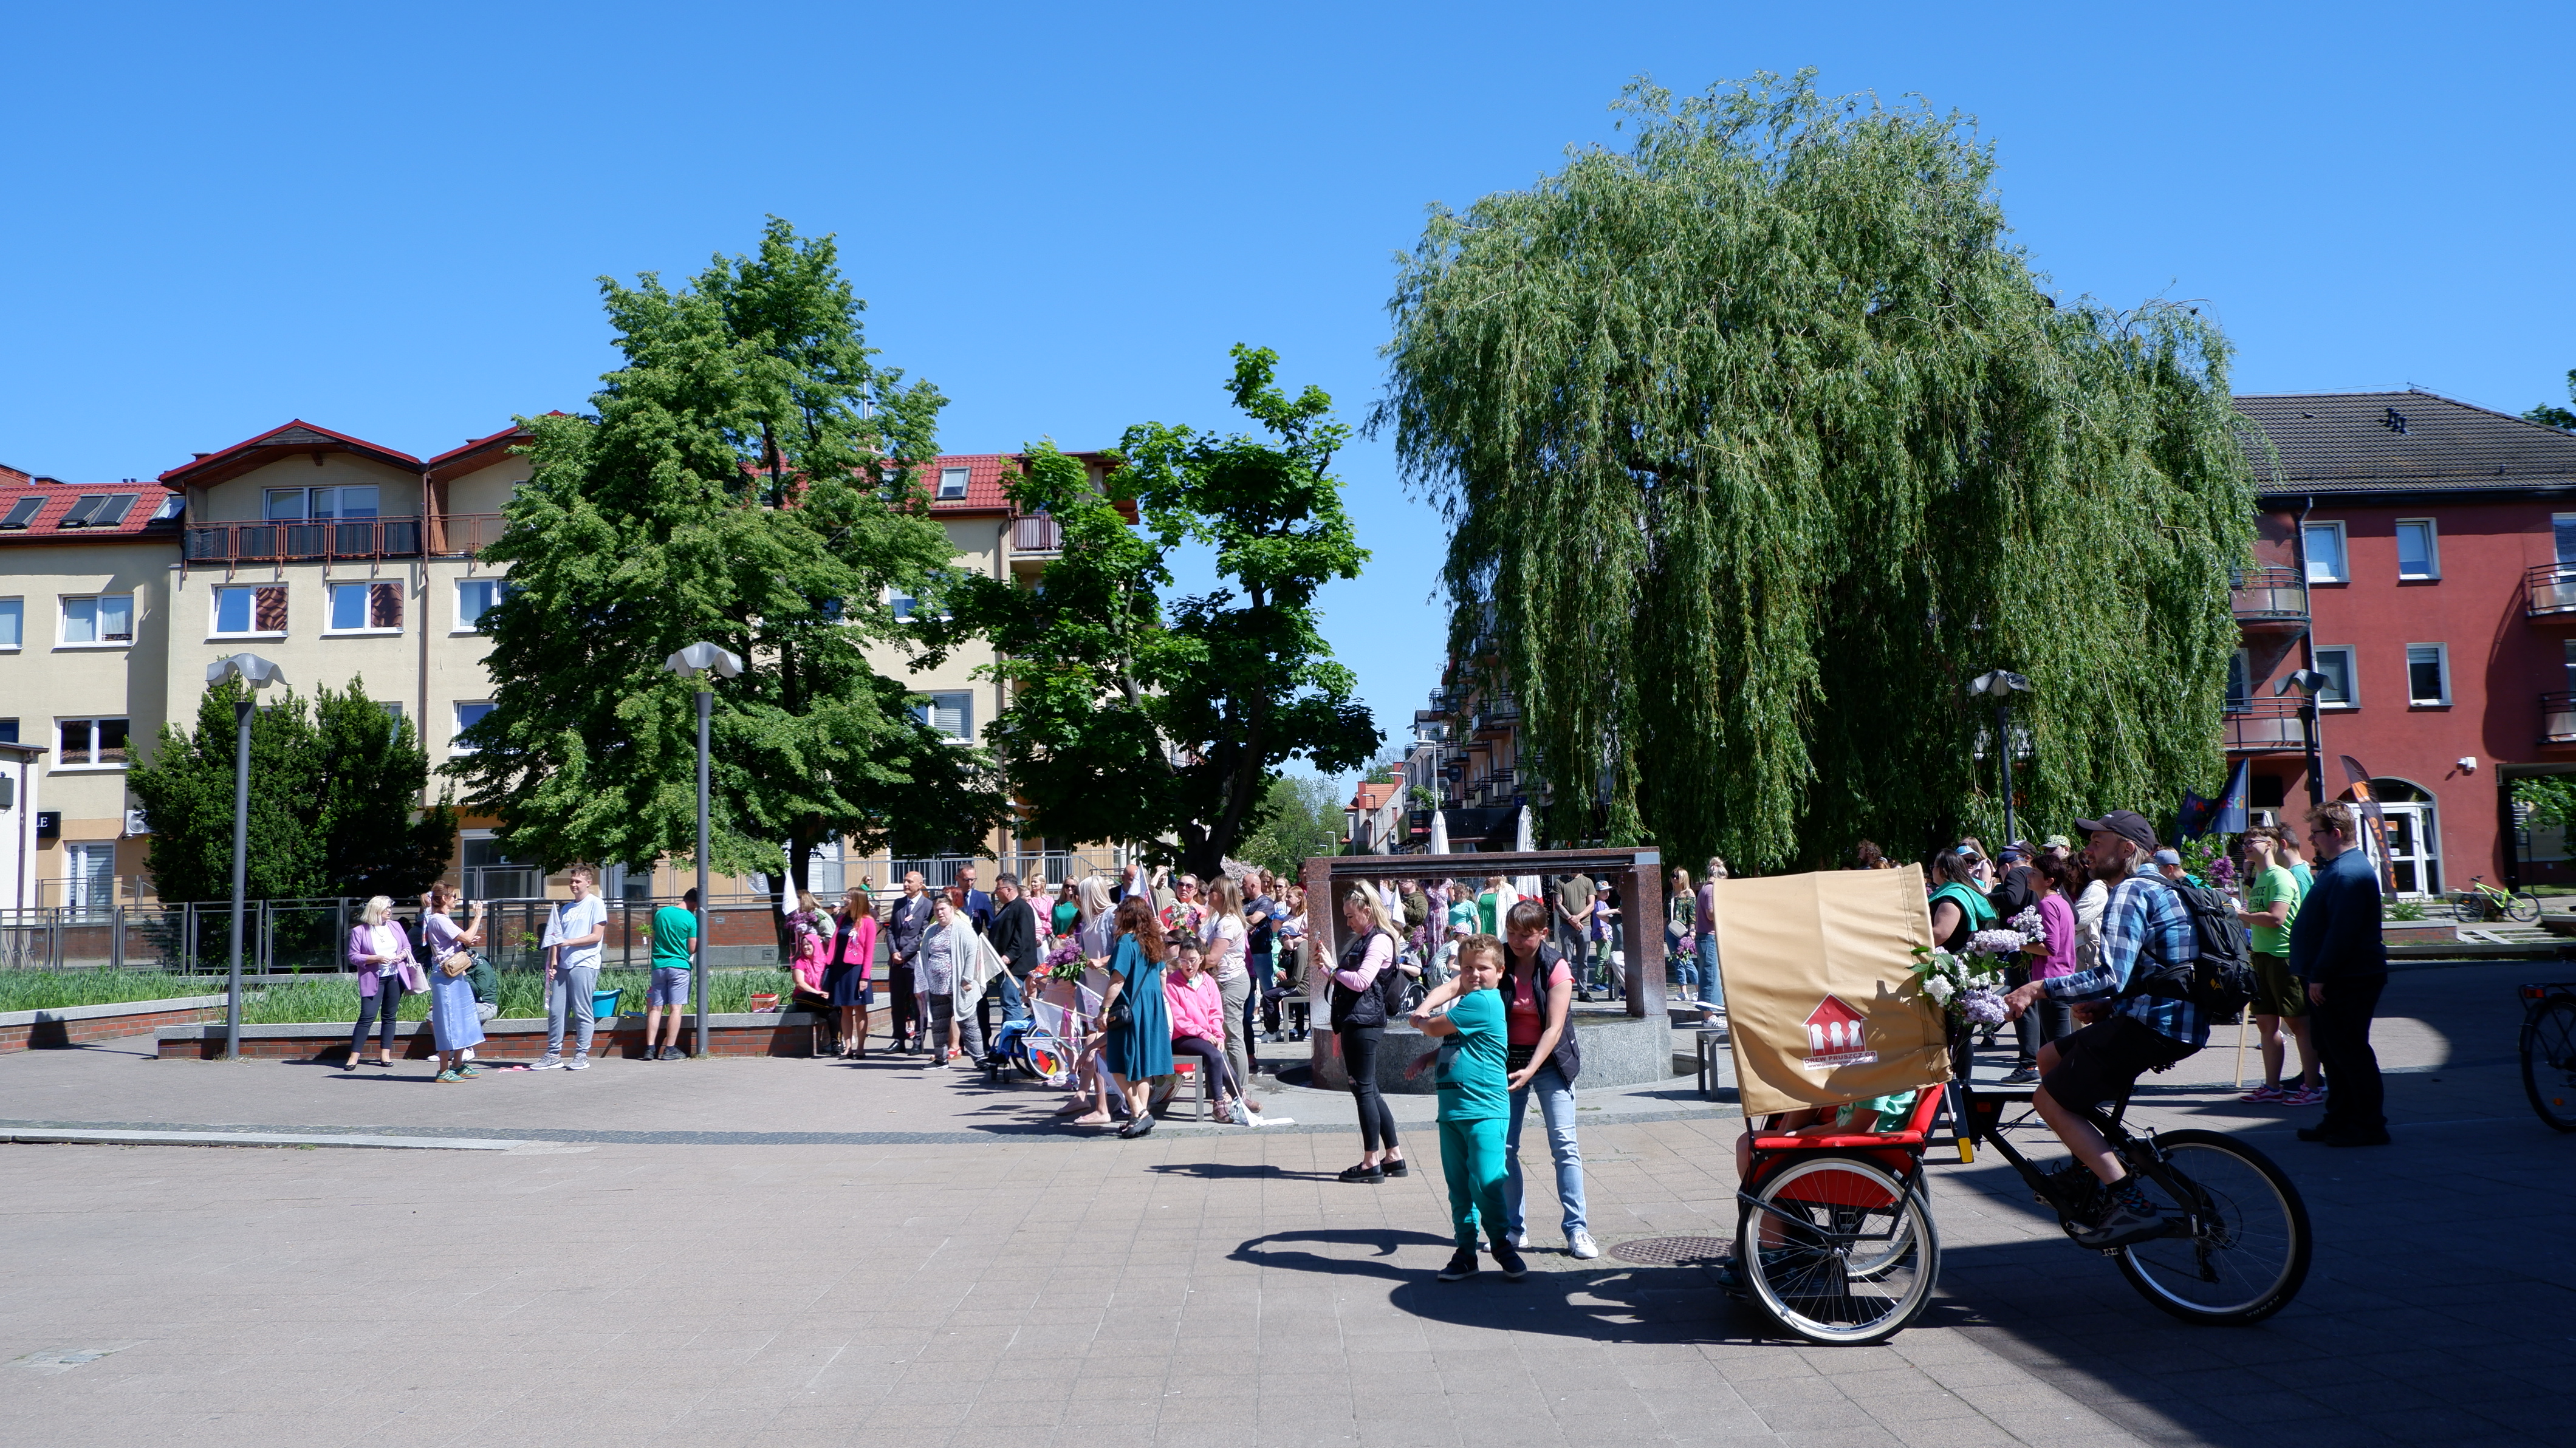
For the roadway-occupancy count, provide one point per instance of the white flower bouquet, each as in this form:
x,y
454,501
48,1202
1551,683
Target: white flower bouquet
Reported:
x,y
1967,985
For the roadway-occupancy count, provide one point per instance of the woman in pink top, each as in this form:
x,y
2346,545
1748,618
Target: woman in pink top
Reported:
x,y
378,947
1198,1023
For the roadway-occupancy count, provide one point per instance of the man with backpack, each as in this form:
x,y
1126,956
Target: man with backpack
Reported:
x,y
2148,1013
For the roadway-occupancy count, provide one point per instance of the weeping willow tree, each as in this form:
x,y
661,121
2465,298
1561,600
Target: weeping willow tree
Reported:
x,y
1758,441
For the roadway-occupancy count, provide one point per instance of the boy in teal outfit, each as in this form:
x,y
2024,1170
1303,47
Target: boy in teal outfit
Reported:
x,y
1474,1107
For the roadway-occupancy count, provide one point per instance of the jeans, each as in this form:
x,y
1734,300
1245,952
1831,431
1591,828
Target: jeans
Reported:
x,y
1556,1104
1470,1157
1681,965
387,1001
1359,1058
1712,986
1005,989
1238,1040
570,992
1259,964
2339,1026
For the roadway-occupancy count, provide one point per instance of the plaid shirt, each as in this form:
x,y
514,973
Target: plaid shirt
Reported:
x,y
2143,916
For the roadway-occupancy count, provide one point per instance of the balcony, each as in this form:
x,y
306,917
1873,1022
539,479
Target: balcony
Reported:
x,y
326,538
2268,597
1037,533
2558,718
2266,726
2549,591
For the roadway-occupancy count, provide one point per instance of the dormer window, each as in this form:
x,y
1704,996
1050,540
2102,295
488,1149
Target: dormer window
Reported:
x,y
952,483
99,510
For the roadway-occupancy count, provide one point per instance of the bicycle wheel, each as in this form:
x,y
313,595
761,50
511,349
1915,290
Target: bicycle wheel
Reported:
x,y
2549,1061
2469,907
1839,1252
2522,906
2238,1243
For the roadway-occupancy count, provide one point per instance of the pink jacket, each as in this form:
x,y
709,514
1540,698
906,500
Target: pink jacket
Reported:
x,y
1198,1007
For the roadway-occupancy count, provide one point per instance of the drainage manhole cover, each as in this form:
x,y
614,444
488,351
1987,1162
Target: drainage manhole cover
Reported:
x,y
1674,1251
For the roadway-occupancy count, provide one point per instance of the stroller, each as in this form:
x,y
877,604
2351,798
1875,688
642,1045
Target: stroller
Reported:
x,y
1041,1045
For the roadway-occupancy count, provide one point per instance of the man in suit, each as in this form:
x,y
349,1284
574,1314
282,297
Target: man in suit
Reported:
x,y
906,919
979,906
1014,937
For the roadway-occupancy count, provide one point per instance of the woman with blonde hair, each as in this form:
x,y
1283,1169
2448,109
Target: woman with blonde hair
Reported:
x,y
455,1026
1364,996
1226,935
379,948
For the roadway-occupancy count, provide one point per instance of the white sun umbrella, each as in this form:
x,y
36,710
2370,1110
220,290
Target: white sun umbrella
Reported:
x,y
1525,840
1439,832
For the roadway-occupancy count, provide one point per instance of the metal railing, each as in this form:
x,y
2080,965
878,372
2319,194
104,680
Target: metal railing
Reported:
x,y
2549,589
1037,533
2558,718
2266,726
2258,593
459,535
321,538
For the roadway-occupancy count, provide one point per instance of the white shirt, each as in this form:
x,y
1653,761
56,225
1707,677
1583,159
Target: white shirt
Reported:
x,y
572,920
1224,937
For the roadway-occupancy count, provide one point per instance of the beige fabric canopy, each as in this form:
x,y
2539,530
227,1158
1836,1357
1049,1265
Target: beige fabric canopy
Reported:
x,y
1821,1000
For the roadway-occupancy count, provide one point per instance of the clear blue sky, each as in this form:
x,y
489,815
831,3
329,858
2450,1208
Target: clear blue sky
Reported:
x,y
387,220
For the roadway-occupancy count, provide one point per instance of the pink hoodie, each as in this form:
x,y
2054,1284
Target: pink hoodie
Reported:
x,y
1198,1007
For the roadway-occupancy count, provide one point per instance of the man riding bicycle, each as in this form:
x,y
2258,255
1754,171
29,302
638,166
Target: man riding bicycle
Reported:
x,y
2141,1032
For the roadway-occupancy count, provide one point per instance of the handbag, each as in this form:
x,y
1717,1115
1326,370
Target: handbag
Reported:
x,y
456,963
1122,1012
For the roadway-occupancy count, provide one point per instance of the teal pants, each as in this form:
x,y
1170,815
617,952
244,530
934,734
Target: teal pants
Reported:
x,y
1471,1156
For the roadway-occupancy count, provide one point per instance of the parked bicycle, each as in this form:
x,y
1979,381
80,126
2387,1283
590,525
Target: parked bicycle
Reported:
x,y
2482,901
2549,1051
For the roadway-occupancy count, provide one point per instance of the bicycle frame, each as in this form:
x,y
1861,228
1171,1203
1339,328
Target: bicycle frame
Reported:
x,y
1979,1115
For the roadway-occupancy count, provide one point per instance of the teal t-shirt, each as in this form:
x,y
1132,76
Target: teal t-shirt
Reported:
x,y
1472,1078
673,929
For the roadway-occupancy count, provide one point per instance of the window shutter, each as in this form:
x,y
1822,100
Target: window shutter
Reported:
x,y
384,605
268,608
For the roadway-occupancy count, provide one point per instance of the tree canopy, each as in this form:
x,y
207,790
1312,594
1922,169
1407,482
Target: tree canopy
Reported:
x,y
1758,441
335,801
1147,720
1305,821
747,478
2551,416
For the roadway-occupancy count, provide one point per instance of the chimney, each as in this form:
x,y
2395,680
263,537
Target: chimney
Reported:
x,y
13,477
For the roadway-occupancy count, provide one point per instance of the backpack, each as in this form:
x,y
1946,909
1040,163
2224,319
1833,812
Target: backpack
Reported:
x,y
2219,978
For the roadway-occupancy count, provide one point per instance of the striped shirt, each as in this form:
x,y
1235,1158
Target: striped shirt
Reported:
x,y
2143,916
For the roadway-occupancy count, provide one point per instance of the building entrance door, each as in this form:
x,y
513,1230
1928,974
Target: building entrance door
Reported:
x,y
2414,836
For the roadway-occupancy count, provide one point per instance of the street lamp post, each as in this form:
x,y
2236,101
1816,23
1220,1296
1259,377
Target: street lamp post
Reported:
x,y
2307,684
2000,685
696,662
257,673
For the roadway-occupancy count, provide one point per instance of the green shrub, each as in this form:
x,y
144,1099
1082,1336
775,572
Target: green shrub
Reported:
x,y
45,990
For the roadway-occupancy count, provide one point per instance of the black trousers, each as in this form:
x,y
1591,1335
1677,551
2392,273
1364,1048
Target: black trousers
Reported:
x,y
2339,1026
385,1002
1359,1058
907,1023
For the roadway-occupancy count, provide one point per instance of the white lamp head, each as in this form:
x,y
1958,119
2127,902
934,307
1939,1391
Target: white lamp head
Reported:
x,y
703,658
1999,684
249,668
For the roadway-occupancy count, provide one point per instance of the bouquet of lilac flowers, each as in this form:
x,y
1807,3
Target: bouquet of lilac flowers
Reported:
x,y
1065,961
1982,1005
1961,984
1997,942
2033,928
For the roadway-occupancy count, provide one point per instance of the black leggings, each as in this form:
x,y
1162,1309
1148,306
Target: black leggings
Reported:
x,y
388,1001
1211,1059
1359,1057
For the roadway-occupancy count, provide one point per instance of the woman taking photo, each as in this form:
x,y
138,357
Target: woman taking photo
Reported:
x,y
1362,983
845,980
378,949
455,1026
1138,1043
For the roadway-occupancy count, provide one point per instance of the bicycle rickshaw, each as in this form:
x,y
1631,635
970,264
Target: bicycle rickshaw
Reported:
x,y
1835,1239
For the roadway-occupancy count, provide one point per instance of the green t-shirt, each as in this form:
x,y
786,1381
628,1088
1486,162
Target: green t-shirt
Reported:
x,y
1472,1080
2274,884
673,929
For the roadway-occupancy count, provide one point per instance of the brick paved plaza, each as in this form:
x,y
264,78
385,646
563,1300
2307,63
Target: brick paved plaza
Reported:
x,y
793,1252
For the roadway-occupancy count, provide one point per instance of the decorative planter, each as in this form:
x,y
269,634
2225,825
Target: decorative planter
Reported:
x,y
75,1025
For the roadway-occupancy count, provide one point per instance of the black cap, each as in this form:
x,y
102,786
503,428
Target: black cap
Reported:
x,y
2128,824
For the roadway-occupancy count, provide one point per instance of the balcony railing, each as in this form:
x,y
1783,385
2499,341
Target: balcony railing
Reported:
x,y
327,538
2549,589
2558,718
464,535
1037,533
2266,726
2268,594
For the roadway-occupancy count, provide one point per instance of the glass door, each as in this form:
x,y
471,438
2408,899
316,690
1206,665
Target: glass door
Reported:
x,y
2413,857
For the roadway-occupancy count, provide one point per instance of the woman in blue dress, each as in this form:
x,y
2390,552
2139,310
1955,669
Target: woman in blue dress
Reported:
x,y
454,1023
1140,1049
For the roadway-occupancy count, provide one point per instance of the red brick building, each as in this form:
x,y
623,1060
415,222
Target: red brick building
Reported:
x,y
2420,553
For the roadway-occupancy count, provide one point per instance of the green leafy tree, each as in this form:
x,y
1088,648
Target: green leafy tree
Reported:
x,y
1305,820
1164,722
747,478
335,804
2548,416
1758,441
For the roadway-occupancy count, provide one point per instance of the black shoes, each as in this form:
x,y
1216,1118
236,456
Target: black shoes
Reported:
x,y
1462,1265
1142,1124
2022,1076
1514,1269
1395,1168
1365,1172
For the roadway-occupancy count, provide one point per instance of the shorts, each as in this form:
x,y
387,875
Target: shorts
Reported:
x,y
2276,991
670,987
2101,1061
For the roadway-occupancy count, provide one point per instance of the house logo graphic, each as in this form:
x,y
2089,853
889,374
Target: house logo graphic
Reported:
x,y
1834,1031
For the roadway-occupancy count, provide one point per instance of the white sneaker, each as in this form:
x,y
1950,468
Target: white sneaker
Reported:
x,y
548,1063
1579,1244
1520,1241
577,1063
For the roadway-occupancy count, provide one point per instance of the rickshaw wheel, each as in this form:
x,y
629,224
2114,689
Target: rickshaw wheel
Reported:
x,y
1852,1256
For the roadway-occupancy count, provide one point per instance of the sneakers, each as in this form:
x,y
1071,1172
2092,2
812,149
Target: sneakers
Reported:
x,y
670,1053
449,1076
467,1072
577,1063
1578,1244
2021,1076
2075,1185
2263,1093
548,1062
1462,1265
1514,1269
2304,1096
2130,1217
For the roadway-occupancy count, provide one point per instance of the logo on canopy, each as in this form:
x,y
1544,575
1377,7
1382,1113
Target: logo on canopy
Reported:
x,y
1834,1032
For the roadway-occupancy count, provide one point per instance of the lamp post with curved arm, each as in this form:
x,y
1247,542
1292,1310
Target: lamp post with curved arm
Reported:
x,y
696,662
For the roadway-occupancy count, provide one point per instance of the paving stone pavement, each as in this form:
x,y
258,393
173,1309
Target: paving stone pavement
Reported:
x,y
1193,1288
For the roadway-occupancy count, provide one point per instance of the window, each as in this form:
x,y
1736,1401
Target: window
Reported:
x,y
393,721
106,618
2240,680
2562,528
950,714
8,731
2428,674
2417,556
467,716
89,742
952,482
476,597
294,505
99,510
2570,646
13,622
89,875
251,609
2336,665
903,604
24,511
2324,543
366,607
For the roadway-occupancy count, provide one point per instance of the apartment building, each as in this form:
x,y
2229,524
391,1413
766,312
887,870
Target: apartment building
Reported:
x,y
336,558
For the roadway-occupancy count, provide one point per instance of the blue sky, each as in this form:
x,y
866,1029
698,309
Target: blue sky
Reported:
x,y
388,221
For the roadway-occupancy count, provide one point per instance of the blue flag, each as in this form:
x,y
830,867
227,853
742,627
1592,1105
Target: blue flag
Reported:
x,y
2229,815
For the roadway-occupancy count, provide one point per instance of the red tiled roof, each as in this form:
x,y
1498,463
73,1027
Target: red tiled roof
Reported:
x,y
56,501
